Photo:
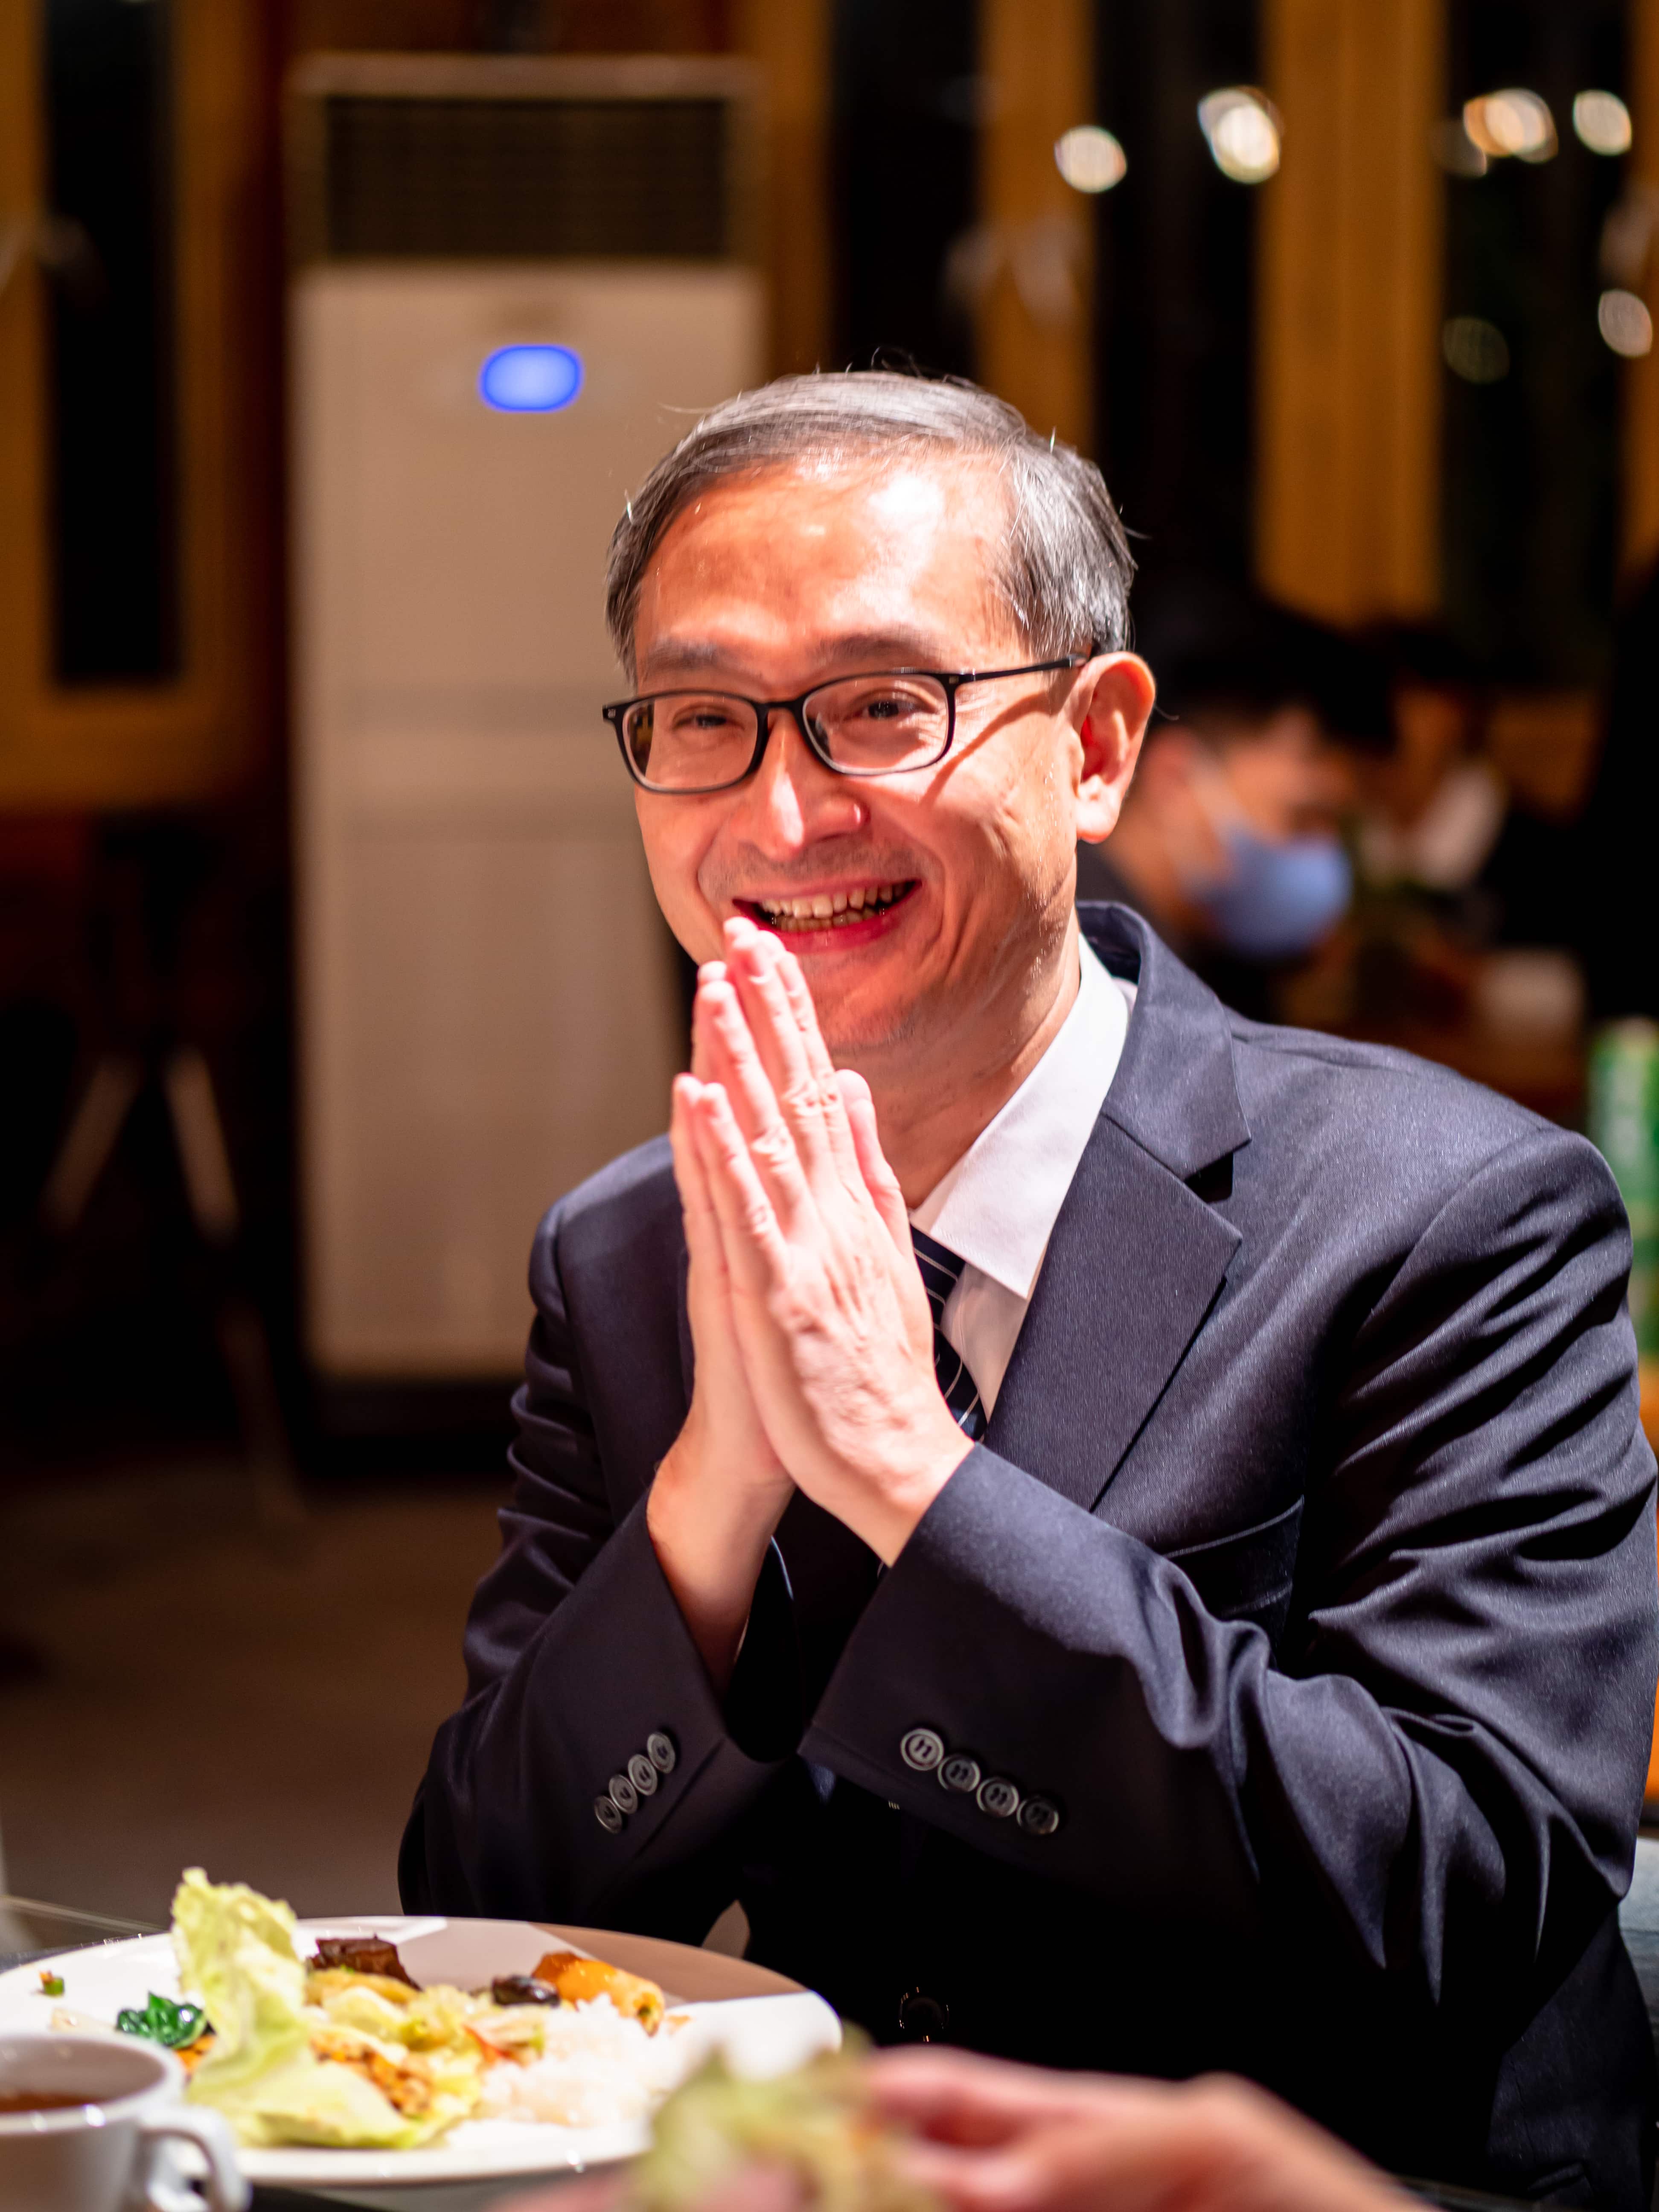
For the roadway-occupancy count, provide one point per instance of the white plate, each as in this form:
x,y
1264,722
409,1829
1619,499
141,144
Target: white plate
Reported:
x,y
778,2026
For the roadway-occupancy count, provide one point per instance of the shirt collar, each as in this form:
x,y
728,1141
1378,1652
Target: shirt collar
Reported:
x,y
997,1206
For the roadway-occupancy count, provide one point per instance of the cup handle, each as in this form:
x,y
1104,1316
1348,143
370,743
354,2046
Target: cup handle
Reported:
x,y
227,2185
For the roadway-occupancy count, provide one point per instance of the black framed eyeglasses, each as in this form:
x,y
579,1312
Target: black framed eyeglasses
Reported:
x,y
690,742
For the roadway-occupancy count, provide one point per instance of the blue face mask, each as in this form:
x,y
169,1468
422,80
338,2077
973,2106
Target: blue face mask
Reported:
x,y
1277,900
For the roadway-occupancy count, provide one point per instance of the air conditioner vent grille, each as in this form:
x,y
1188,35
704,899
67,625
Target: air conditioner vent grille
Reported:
x,y
451,179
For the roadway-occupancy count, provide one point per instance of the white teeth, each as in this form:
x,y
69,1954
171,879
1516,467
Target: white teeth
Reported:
x,y
832,909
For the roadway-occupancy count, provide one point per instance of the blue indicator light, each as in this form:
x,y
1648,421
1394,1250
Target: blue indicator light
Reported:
x,y
530,379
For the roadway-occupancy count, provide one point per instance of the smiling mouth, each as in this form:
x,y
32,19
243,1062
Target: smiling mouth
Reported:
x,y
819,910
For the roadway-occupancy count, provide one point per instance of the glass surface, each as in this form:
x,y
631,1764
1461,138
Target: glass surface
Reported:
x,y
32,1929
106,251
906,102
1529,487
1174,283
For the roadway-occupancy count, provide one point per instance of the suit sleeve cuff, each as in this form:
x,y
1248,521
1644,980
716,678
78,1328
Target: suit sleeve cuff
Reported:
x,y
622,1712
1015,1666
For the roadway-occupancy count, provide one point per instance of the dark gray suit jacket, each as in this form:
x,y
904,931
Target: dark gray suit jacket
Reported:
x,y
1306,1569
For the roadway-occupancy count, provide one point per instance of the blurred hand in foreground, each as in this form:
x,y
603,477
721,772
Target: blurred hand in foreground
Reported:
x,y
981,2136
992,2137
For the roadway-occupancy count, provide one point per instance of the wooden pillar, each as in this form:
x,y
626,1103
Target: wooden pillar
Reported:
x,y
791,41
1348,365
1641,533
1034,320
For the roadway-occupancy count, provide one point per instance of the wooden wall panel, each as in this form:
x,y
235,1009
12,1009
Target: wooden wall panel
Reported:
x,y
1641,531
1348,393
791,41
1034,326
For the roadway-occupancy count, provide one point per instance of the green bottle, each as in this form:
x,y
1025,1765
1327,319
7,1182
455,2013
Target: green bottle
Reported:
x,y
1624,1126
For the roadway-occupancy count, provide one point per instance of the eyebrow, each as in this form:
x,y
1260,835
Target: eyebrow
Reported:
x,y
853,654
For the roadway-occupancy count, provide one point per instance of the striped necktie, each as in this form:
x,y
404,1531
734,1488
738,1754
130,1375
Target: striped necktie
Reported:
x,y
941,1270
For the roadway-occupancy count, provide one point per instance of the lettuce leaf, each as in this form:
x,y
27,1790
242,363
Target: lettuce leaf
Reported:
x,y
237,1956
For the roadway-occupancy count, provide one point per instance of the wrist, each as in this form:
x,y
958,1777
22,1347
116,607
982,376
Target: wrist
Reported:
x,y
889,1508
711,1545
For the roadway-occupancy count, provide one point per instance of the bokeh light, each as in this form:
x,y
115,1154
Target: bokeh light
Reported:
x,y
1623,321
1602,122
1512,122
1475,350
1089,159
530,379
1242,129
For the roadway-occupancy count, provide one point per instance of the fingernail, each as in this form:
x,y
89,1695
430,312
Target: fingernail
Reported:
x,y
712,971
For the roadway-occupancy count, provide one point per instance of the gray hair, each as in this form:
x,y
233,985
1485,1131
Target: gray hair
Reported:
x,y
1065,567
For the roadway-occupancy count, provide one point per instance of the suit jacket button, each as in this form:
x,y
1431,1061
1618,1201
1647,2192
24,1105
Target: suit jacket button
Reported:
x,y
922,1749
607,1816
659,1750
960,1772
997,1796
922,2019
623,1795
1039,1817
642,1774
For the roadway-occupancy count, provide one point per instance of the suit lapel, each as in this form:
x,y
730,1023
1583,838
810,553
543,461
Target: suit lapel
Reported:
x,y
1136,1259
1132,1267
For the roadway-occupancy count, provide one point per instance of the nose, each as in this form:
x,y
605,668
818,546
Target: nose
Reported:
x,y
793,800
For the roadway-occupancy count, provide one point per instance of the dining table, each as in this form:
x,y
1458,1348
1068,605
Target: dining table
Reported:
x,y
30,1929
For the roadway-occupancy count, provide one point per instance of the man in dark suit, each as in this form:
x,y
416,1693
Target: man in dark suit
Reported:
x,y
1204,1616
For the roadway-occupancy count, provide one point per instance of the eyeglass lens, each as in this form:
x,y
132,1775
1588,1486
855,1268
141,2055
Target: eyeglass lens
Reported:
x,y
866,725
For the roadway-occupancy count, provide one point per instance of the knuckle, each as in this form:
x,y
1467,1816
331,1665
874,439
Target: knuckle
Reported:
x,y
773,1146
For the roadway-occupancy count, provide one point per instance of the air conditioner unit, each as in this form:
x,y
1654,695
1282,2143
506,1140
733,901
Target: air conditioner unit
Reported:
x,y
515,283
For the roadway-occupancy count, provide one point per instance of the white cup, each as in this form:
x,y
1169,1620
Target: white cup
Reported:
x,y
108,2151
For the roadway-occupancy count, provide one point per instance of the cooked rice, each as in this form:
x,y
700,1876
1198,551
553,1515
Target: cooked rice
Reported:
x,y
597,2069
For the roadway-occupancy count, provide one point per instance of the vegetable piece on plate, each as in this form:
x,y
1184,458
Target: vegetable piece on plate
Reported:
x,y
52,1985
576,1978
324,1983
175,2026
237,1955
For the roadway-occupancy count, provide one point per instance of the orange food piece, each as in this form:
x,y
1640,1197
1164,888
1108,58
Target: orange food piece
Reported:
x,y
577,1979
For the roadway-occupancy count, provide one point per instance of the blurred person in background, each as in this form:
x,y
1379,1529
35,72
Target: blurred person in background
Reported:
x,y
1230,841
1436,811
1119,1534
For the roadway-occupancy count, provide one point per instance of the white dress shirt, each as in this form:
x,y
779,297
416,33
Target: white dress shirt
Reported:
x,y
996,1208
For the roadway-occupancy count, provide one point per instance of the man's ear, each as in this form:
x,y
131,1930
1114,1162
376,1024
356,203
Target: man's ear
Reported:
x,y
1114,699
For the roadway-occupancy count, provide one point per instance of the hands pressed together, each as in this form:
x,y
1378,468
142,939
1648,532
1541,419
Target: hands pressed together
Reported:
x,y
812,1334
